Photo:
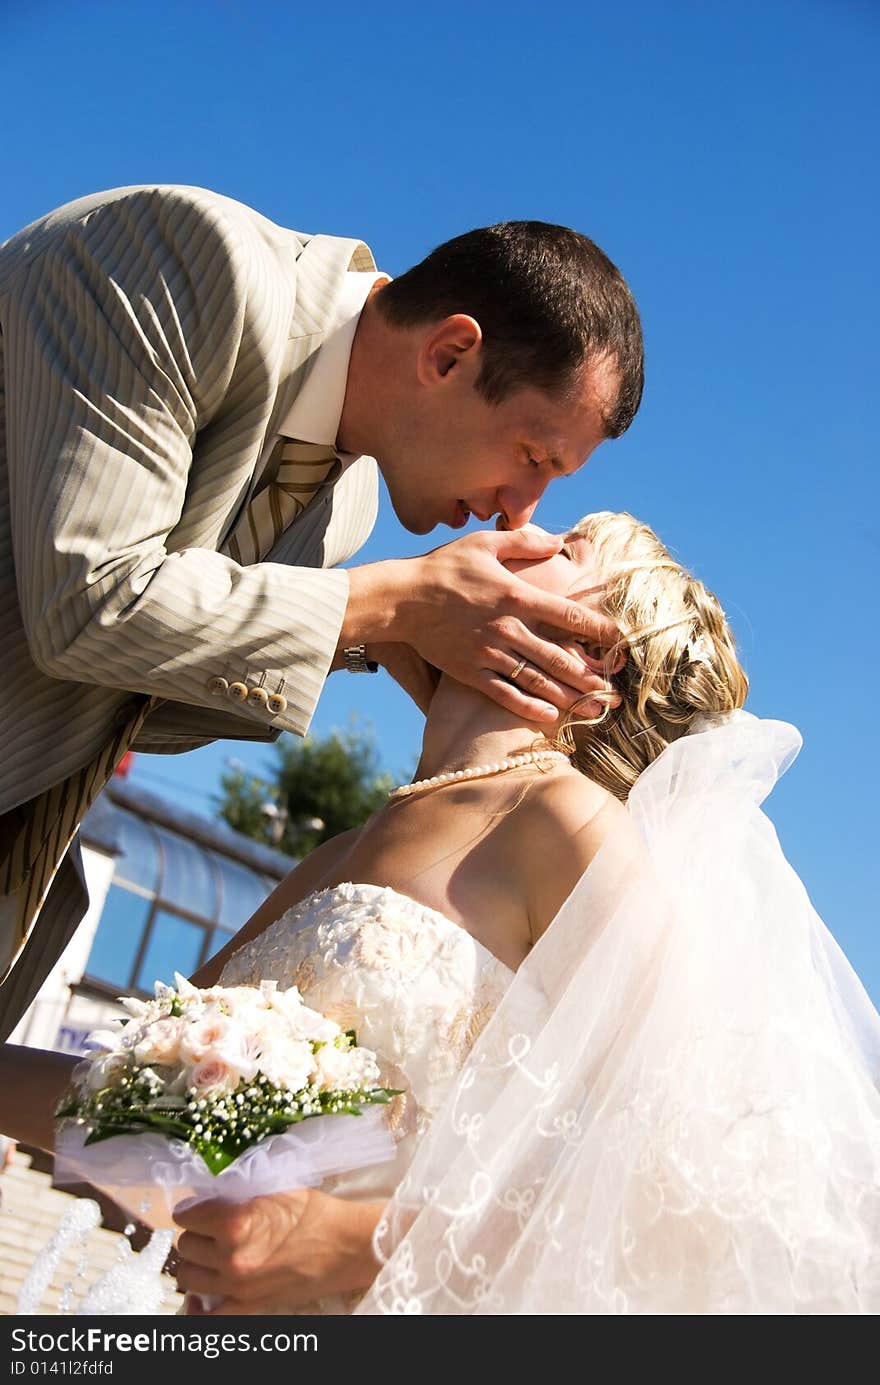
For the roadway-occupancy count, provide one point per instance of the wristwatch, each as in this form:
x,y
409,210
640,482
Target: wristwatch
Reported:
x,y
356,661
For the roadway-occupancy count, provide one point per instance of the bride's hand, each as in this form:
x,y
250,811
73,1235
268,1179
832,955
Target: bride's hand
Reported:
x,y
276,1253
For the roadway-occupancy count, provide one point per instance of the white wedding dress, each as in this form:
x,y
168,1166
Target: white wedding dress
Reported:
x,y
672,1107
415,986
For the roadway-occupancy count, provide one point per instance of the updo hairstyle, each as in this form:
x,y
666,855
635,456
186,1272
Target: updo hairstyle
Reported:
x,y
681,660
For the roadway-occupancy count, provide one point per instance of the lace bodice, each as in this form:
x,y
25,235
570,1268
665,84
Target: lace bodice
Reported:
x,y
415,986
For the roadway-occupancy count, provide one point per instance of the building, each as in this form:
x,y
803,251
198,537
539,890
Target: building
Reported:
x,y
167,889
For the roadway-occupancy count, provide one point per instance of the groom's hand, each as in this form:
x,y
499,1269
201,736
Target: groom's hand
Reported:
x,y
276,1253
464,613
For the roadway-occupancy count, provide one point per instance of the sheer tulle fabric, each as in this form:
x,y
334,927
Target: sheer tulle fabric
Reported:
x,y
675,1107
150,1175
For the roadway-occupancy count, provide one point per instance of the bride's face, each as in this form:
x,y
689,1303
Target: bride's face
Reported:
x,y
572,572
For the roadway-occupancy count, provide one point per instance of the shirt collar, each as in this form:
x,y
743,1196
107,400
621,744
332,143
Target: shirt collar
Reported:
x,y
317,410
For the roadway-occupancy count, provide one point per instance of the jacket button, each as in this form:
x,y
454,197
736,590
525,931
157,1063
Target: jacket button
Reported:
x,y
238,692
277,704
257,697
217,686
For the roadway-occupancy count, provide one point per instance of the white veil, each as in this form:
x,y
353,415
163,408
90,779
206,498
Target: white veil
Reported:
x,y
675,1108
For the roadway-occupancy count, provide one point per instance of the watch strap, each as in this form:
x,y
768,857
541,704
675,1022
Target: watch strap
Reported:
x,y
356,661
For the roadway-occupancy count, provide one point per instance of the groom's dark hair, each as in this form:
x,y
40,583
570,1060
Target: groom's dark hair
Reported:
x,y
547,300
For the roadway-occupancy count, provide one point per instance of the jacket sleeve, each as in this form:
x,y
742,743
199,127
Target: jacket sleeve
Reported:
x,y
143,324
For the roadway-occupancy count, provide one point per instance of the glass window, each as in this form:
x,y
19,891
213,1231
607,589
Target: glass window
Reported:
x,y
139,862
174,945
118,937
242,891
188,878
219,938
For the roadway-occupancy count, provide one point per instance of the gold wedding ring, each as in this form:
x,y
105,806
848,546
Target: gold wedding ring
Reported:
x,y
512,676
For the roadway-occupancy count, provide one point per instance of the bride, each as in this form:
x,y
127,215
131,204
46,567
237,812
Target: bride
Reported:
x,y
640,1077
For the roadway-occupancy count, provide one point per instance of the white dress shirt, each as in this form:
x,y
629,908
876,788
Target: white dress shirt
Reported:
x,y
317,410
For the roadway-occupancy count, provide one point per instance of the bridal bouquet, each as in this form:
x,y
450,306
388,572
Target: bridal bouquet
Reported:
x,y
215,1093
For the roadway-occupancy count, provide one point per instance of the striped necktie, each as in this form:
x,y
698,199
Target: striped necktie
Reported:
x,y
295,472
35,836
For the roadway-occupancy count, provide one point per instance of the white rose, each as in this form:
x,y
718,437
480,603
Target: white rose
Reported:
x,y
238,1052
138,1008
113,1040
106,1071
305,1023
290,1065
160,1042
301,1021
240,1002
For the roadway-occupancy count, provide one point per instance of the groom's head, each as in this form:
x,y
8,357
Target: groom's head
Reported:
x,y
513,351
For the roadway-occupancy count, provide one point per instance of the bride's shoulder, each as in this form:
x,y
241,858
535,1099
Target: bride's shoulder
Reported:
x,y
568,800
560,826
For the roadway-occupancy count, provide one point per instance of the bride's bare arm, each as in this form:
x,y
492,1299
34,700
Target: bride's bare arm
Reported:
x,y
32,1082
302,880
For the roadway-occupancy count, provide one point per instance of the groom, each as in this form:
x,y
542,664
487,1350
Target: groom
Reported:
x,y
191,402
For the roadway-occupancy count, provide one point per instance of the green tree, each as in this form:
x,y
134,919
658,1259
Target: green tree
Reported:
x,y
318,787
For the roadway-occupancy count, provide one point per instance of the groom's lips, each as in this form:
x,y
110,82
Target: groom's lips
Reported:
x,y
461,515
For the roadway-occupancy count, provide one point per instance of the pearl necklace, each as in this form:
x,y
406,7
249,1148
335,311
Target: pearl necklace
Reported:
x,y
529,757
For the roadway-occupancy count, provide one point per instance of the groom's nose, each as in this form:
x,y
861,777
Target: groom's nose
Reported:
x,y
516,507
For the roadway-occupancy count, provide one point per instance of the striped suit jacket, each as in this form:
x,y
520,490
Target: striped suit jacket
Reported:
x,y
153,338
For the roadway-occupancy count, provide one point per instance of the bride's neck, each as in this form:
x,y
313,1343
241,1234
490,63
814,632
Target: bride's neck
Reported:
x,y
464,728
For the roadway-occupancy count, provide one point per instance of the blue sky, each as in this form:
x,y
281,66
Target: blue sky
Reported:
x,y
723,155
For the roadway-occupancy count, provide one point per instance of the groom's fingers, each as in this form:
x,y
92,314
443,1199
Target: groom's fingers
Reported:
x,y
569,619
556,664
516,698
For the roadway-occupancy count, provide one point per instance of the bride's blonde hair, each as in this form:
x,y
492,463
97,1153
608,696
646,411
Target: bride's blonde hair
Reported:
x,y
680,661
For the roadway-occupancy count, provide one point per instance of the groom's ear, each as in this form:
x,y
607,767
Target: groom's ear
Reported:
x,y
453,345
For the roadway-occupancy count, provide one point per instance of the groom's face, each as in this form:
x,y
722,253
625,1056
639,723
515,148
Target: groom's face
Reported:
x,y
462,456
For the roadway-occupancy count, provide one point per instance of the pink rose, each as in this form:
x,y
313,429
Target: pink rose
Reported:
x,y
203,1036
212,1077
